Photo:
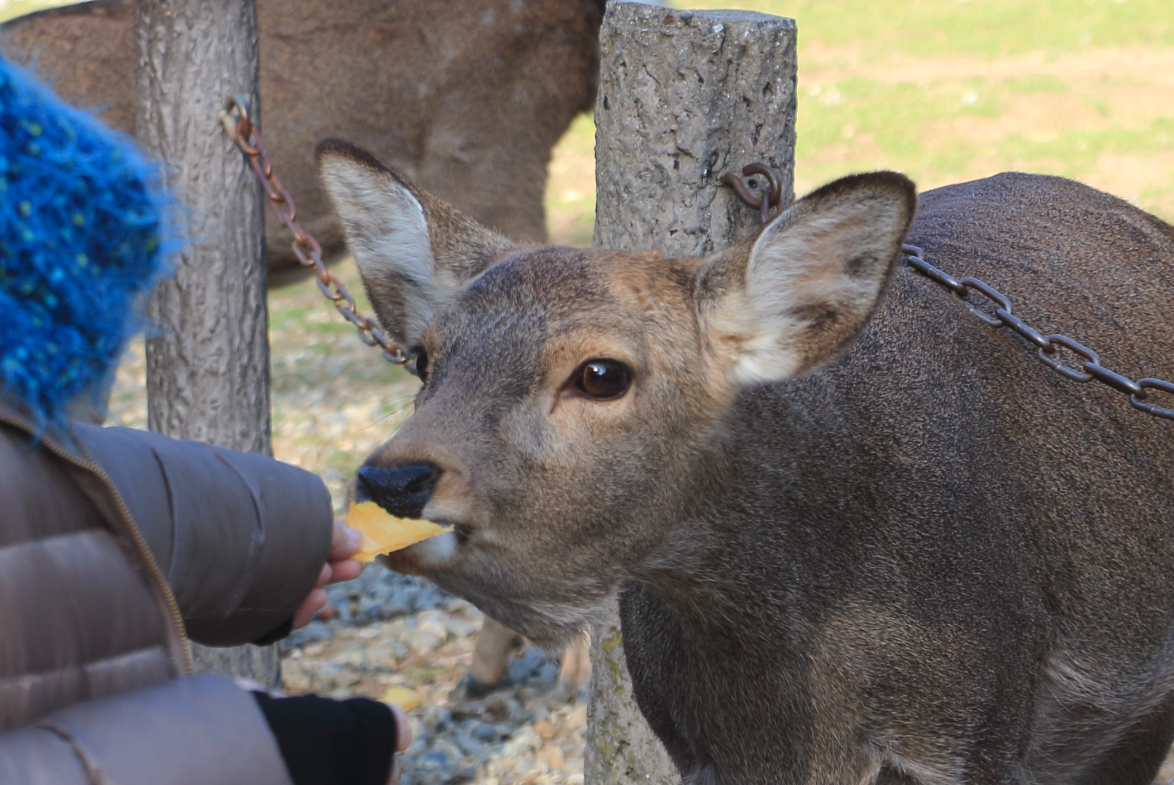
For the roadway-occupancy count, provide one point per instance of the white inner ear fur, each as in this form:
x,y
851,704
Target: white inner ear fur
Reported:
x,y
813,261
387,232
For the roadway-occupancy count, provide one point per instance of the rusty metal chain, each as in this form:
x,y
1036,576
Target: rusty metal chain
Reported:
x,y
247,136
1046,345
240,128
1090,370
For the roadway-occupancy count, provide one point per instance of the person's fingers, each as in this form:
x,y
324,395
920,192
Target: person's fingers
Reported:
x,y
403,730
346,570
345,542
311,605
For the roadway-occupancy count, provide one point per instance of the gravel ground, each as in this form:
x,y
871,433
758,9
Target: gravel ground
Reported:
x,y
388,636
402,640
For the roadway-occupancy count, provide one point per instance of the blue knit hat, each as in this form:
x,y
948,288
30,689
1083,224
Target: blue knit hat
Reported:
x,y
82,230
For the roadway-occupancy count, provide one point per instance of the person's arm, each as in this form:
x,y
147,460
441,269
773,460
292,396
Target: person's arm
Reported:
x,y
195,731
241,538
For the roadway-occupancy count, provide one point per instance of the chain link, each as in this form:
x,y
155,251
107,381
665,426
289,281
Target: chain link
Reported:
x,y
240,128
1089,370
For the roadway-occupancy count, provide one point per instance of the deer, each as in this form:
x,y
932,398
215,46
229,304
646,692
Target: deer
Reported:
x,y
428,90
470,103
855,536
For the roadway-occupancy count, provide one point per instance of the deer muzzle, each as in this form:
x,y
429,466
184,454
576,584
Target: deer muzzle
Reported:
x,y
404,490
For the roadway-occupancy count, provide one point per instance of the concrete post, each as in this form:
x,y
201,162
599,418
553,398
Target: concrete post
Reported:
x,y
208,364
683,97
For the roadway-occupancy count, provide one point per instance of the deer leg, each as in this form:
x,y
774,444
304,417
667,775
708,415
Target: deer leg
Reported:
x,y
575,668
494,644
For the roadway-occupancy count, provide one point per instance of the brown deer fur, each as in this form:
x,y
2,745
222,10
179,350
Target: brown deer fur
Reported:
x,y
467,97
857,536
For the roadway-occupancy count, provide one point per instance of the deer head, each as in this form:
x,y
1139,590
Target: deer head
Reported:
x,y
571,401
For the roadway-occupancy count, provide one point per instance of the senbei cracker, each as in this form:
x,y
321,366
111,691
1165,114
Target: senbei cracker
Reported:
x,y
385,533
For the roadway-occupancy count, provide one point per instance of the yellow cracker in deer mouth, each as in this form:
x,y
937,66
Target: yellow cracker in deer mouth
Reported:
x,y
385,533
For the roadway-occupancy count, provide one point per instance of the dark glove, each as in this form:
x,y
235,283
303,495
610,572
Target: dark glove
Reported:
x,y
329,742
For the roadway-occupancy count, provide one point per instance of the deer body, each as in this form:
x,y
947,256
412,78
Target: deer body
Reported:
x,y
855,539
935,556
469,97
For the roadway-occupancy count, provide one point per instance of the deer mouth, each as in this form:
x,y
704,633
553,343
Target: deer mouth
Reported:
x,y
410,497
428,557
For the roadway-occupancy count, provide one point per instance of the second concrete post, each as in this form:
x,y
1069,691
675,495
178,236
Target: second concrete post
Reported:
x,y
683,98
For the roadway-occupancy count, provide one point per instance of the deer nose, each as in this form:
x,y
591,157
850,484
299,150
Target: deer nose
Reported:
x,y
403,491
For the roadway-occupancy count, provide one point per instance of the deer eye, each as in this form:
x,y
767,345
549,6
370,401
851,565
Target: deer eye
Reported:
x,y
603,380
418,362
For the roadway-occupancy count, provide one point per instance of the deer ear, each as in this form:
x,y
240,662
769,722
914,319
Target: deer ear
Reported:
x,y
415,253
800,294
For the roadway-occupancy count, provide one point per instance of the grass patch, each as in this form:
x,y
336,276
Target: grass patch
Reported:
x,y
1033,84
949,90
977,28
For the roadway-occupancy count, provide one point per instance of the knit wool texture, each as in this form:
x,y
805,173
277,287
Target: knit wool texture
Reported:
x,y
82,235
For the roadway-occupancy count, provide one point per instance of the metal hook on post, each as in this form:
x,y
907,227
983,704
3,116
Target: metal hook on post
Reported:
x,y
237,122
769,198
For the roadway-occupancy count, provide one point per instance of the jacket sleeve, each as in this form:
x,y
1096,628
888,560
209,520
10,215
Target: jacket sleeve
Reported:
x,y
195,731
241,538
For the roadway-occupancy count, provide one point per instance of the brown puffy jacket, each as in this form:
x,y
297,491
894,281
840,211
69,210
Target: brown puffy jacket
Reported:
x,y
111,541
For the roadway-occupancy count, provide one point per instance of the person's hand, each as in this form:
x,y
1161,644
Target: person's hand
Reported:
x,y
339,567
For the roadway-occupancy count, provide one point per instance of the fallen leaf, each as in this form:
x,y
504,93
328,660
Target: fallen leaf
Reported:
x,y
402,697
